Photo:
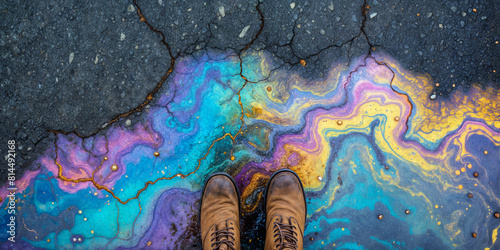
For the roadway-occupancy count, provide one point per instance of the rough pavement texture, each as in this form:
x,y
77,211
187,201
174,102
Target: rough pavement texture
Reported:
x,y
71,66
453,41
74,66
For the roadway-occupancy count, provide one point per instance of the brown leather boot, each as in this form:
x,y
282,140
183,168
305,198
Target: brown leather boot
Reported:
x,y
220,213
286,211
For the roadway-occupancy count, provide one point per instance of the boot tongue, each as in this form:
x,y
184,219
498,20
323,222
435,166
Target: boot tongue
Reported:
x,y
221,226
289,239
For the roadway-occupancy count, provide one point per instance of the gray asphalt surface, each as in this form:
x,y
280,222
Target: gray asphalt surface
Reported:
x,y
75,66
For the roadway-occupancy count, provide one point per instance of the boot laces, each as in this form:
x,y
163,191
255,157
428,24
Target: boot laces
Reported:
x,y
223,236
285,235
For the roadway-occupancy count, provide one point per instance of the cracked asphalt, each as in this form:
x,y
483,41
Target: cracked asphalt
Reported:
x,y
78,66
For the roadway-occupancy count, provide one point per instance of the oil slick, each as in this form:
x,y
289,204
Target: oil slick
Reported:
x,y
367,141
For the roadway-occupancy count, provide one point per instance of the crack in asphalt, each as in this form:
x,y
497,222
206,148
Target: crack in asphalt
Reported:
x,y
149,98
364,12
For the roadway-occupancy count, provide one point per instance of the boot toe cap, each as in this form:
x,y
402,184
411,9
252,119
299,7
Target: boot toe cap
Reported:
x,y
220,185
285,182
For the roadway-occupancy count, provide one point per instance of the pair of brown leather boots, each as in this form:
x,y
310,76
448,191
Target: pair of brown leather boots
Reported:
x,y
285,207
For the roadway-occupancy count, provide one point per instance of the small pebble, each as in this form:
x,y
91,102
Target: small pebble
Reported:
x,y
380,216
372,15
128,122
331,7
433,96
496,215
222,11
292,6
244,31
71,57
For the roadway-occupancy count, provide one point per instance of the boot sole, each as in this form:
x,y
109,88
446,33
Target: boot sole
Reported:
x,y
270,179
